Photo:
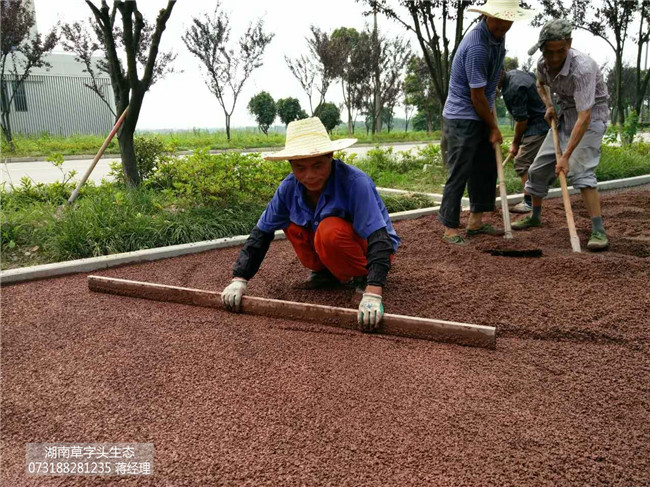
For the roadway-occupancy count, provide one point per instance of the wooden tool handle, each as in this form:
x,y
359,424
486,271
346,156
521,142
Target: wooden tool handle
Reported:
x,y
502,185
99,154
573,234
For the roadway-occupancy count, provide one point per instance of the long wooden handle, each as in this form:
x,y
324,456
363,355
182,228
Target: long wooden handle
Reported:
x,y
399,325
75,193
505,163
573,234
502,185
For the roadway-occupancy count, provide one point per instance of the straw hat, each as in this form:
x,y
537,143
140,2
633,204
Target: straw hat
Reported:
x,y
504,10
307,138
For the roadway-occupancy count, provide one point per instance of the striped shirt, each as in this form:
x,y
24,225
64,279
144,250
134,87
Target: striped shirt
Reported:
x,y
579,86
477,64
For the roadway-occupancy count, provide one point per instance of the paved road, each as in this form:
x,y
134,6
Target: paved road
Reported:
x,y
45,172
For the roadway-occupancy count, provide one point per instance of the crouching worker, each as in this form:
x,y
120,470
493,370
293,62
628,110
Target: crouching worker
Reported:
x,y
332,215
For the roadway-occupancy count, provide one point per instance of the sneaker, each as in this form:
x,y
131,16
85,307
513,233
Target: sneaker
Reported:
x,y
321,279
597,241
454,239
521,207
527,222
485,229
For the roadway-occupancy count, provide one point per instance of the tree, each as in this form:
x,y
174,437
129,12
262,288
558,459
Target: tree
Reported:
x,y
607,19
389,58
329,114
628,75
140,45
85,39
289,110
329,59
387,117
420,123
642,81
408,111
24,51
431,22
318,69
356,66
510,63
419,91
263,108
226,67
304,70
529,64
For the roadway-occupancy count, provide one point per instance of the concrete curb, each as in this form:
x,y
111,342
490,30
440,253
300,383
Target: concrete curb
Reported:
x,y
12,276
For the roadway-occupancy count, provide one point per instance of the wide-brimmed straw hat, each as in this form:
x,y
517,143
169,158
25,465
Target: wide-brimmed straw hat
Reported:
x,y
307,138
504,10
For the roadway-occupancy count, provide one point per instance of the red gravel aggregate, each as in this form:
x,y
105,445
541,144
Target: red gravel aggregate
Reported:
x,y
239,400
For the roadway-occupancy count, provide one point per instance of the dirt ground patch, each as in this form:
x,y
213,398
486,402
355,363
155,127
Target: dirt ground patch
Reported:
x,y
238,400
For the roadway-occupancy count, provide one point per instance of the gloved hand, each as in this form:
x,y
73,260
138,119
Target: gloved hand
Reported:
x,y
231,296
371,311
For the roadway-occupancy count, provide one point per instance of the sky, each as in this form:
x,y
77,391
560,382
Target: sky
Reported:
x,y
183,101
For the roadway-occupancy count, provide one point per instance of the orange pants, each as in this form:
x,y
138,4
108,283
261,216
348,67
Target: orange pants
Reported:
x,y
334,245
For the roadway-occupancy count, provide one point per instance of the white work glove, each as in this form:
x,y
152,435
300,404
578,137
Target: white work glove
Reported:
x,y
231,296
371,311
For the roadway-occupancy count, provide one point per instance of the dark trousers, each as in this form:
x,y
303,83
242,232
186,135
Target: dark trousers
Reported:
x,y
472,162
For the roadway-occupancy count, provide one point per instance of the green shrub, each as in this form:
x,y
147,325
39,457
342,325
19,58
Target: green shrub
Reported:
x,y
219,179
150,151
415,170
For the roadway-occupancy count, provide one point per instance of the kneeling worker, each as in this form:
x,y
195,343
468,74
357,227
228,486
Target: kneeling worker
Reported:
x,y
332,215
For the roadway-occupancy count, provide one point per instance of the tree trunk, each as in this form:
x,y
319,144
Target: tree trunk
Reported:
x,y
228,126
378,110
6,130
125,138
640,85
619,89
127,150
350,126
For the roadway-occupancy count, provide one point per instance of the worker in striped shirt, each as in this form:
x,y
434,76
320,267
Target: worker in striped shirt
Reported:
x,y
469,124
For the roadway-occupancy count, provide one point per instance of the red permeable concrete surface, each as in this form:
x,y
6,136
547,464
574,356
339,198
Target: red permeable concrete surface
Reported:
x,y
238,400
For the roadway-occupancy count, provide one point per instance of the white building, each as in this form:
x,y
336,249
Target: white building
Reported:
x,y
57,100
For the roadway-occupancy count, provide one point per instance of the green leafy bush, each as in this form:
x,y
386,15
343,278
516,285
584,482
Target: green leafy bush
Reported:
x,y
219,179
416,170
150,151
